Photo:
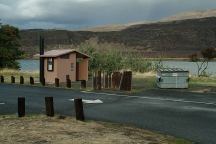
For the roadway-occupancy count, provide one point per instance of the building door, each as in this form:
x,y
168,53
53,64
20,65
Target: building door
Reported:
x,y
77,71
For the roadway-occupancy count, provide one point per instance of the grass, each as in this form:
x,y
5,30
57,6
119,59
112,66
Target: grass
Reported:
x,y
7,73
140,82
203,84
61,130
205,81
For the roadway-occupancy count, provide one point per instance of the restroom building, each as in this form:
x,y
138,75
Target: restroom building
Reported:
x,y
65,63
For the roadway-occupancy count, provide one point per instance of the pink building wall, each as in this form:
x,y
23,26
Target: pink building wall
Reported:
x,y
62,67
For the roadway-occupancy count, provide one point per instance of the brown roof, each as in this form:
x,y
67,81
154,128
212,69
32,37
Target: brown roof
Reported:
x,y
60,52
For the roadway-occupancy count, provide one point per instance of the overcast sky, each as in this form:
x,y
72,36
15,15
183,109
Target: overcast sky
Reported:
x,y
75,14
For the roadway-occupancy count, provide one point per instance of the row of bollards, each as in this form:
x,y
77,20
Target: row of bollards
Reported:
x,y
32,82
21,80
78,104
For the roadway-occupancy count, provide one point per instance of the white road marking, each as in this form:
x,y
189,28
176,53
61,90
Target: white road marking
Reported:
x,y
2,103
90,101
157,98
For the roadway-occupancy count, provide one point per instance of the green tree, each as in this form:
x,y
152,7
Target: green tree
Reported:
x,y
9,47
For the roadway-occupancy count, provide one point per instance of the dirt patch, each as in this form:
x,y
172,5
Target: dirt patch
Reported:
x,y
44,130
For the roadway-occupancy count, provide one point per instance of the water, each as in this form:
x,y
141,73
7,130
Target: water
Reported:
x,y
33,65
191,66
29,65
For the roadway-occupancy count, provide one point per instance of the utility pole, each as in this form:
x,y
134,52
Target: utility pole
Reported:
x,y
41,59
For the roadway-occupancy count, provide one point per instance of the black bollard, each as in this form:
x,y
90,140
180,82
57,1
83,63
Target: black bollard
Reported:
x,y
31,80
2,79
83,84
21,80
12,79
56,82
79,109
43,81
68,83
21,106
49,106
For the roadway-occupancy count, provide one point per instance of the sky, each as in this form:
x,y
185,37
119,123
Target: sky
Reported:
x,y
79,14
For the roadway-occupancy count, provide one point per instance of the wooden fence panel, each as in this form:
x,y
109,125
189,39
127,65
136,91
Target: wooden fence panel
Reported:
x,y
126,81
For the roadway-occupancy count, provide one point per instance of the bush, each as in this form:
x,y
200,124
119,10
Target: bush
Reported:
x,y
113,60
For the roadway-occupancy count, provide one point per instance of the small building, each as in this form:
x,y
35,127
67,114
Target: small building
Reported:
x,y
172,78
65,63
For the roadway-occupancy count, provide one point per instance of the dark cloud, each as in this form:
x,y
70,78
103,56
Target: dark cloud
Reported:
x,y
86,13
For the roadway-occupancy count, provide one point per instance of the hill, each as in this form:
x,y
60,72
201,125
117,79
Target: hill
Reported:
x,y
177,38
192,15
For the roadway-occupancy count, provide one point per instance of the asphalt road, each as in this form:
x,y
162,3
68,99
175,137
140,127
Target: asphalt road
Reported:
x,y
182,114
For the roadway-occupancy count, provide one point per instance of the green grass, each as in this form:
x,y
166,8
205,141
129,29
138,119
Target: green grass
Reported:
x,y
142,82
7,73
205,81
179,141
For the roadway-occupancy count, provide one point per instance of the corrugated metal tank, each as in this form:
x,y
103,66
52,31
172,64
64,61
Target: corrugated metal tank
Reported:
x,y
172,78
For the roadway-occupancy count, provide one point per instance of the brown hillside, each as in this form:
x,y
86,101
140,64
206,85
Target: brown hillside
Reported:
x,y
175,39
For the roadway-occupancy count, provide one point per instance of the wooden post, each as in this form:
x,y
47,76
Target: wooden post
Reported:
x,y
126,81
94,80
56,82
68,83
103,80
49,106
99,80
21,106
83,84
110,80
31,80
2,79
21,80
79,109
12,79
116,80
106,83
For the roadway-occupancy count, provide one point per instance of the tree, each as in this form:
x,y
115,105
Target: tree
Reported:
x,y
202,63
9,47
